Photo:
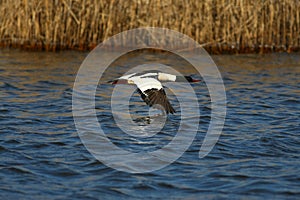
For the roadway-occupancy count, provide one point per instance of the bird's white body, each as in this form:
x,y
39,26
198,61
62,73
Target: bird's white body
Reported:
x,y
145,84
166,77
149,80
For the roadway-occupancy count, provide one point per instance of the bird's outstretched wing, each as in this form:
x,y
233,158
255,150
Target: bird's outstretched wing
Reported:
x,y
150,89
157,97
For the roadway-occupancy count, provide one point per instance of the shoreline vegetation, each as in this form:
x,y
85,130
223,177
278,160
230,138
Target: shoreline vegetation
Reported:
x,y
221,26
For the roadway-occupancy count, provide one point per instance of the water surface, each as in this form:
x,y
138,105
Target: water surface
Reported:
x,y
257,155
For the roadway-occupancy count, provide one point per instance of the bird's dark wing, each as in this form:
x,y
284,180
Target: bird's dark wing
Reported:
x,y
155,96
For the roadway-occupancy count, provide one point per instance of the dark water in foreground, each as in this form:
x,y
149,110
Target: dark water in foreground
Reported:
x,y
257,155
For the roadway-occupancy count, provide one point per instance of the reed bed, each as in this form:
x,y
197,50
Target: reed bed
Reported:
x,y
220,25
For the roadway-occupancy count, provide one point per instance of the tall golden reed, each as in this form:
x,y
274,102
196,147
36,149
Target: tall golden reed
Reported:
x,y
220,25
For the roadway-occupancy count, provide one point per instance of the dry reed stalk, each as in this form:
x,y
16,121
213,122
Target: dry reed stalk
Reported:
x,y
220,25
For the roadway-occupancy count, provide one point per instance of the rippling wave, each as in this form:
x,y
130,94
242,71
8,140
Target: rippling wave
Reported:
x,y
42,157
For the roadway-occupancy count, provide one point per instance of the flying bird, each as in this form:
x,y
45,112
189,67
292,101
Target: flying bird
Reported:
x,y
150,88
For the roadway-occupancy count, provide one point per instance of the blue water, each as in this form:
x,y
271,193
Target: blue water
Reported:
x,y
256,157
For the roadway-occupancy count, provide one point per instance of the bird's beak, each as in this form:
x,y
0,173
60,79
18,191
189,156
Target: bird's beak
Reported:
x,y
113,82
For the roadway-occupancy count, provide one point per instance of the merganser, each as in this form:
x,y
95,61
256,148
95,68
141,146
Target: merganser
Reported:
x,y
150,88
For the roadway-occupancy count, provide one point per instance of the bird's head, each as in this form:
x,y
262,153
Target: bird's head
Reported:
x,y
190,79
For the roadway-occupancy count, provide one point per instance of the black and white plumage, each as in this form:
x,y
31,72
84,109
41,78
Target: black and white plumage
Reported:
x,y
150,87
